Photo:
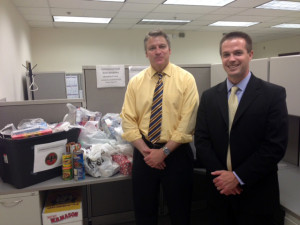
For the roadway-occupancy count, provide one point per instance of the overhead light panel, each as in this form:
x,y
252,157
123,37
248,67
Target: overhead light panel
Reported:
x,y
76,19
281,5
232,24
163,22
287,25
198,2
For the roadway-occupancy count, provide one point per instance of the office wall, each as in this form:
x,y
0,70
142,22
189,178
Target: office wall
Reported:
x,y
63,49
273,48
67,49
14,51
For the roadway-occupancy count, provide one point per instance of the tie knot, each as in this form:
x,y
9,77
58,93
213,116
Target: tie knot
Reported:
x,y
160,75
234,89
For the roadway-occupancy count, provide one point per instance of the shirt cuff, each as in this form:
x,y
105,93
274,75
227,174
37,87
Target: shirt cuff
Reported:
x,y
237,177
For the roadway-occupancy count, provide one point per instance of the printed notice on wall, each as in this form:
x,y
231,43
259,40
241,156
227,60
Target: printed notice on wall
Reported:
x,y
72,86
110,76
134,70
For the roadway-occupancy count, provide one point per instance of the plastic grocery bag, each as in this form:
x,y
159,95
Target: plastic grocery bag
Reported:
x,y
111,124
91,135
98,161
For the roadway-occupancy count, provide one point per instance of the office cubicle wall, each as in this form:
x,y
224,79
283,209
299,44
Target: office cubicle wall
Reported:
x,y
52,111
259,67
110,100
285,71
47,85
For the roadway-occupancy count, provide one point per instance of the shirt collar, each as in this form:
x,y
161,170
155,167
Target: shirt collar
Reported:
x,y
241,85
166,71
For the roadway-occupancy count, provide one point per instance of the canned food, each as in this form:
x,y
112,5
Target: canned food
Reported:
x,y
67,173
78,165
67,169
72,146
67,160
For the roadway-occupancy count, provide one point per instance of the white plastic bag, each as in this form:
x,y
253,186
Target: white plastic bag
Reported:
x,y
91,135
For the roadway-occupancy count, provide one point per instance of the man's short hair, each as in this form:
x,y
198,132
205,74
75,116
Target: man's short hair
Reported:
x,y
237,34
156,33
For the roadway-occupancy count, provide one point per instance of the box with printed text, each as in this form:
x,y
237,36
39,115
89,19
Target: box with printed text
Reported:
x,y
63,207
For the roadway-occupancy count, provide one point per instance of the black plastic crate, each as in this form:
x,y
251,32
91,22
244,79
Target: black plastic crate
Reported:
x,y
17,158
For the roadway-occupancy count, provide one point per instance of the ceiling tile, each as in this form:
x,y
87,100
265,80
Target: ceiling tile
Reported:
x,y
247,3
34,11
39,18
130,15
75,4
184,9
126,15
67,11
129,7
40,24
31,3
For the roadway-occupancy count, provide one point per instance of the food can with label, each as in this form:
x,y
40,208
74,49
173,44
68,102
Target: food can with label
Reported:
x,y
78,165
67,169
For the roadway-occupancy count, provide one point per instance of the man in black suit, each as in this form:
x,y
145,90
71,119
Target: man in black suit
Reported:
x,y
241,159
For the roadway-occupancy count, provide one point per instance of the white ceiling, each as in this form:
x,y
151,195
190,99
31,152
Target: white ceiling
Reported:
x,y
38,13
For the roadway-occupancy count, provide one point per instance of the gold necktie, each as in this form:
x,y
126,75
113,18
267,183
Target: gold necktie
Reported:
x,y
156,112
232,107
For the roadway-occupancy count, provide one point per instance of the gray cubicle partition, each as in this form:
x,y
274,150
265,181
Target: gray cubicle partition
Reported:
x,y
52,111
259,67
285,71
47,85
110,100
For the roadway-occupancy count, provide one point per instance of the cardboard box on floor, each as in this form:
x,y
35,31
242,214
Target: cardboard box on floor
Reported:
x,y
63,206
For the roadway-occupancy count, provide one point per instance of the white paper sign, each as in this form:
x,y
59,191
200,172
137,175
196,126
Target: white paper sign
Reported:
x,y
72,86
48,156
110,76
134,70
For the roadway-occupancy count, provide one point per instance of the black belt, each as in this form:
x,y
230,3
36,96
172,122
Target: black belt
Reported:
x,y
154,146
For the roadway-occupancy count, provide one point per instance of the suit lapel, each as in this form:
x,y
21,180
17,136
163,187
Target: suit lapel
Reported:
x,y
251,93
223,100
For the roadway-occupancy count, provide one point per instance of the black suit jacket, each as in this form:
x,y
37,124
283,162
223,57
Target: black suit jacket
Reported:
x,y
258,140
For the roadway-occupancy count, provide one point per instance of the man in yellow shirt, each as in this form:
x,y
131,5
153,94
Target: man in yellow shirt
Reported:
x,y
161,156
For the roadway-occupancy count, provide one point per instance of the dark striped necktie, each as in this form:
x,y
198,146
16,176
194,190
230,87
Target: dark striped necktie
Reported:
x,y
156,112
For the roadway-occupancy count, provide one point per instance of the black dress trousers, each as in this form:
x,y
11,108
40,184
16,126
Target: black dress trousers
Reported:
x,y
176,181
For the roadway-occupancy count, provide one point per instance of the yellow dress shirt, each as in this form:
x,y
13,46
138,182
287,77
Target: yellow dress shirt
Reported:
x,y
179,106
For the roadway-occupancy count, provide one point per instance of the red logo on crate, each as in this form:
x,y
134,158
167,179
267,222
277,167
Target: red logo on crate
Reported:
x,y
51,158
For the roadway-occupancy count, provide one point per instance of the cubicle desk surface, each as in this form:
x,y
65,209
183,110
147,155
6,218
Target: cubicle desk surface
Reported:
x,y
289,184
57,183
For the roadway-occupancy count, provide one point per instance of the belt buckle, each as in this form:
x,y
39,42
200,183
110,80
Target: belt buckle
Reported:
x,y
157,146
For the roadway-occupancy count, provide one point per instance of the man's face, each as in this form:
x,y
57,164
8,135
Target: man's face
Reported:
x,y
158,52
235,59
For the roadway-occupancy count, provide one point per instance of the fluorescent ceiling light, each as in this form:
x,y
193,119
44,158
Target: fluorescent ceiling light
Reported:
x,y
198,2
233,24
163,22
287,25
281,5
73,19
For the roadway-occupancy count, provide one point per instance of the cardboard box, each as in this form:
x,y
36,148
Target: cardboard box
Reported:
x,y
63,206
29,161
